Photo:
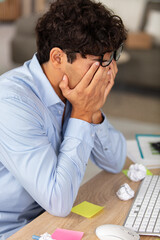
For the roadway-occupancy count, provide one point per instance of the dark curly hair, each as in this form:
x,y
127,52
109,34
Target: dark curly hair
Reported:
x,y
78,26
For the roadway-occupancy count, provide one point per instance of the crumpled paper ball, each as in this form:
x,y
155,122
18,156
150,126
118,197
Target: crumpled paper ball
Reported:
x,y
136,172
125,192
46,236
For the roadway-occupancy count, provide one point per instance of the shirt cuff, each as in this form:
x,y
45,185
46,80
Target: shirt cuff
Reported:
x,y
81,130
101,129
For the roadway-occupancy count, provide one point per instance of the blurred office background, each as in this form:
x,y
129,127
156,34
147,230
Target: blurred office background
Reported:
x,y
134,103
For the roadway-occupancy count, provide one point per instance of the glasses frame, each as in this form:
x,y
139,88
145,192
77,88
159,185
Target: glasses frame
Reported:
x,y
113,56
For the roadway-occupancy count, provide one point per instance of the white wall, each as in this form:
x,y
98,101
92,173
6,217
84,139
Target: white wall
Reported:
x,y
153,26
131,11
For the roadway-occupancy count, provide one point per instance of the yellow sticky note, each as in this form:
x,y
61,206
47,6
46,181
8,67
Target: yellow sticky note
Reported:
x,y
86,209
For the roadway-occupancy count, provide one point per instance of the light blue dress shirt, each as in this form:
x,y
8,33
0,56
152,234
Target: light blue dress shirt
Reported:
x,y
42,163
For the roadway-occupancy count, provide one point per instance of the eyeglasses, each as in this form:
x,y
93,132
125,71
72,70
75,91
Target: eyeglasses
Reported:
x,y
115,55
104,63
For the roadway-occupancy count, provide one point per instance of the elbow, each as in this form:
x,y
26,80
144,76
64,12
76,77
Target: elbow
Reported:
x,y
59,213
119,166
121,159
60,208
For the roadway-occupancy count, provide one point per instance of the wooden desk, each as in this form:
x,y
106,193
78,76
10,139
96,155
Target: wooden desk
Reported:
x,y
100,190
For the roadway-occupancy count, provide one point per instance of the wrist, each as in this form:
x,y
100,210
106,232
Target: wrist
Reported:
x,y
82,116
97,117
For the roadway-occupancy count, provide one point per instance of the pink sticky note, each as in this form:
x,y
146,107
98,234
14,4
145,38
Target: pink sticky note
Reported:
x,y
63,234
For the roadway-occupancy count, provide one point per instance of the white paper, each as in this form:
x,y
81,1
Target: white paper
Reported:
x,y
144,142
125,192
46,236
136,172
134,154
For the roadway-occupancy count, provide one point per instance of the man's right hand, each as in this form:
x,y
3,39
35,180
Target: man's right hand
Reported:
x,y
90,93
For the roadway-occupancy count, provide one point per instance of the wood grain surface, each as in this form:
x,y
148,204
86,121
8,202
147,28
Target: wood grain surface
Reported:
x,y
100,190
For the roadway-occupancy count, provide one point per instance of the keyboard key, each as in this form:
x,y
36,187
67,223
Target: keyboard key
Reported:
x,y
144,215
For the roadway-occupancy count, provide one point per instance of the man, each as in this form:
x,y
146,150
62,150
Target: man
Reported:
x,y
51,121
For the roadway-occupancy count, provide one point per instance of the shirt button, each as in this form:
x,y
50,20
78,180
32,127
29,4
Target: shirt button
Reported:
x,y
60,112
92,135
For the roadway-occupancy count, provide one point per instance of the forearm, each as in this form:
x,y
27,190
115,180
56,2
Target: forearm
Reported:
x,y
68,176
51,178
72,161
109,151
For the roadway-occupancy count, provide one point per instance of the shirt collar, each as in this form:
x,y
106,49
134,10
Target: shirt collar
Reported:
x,y
46,92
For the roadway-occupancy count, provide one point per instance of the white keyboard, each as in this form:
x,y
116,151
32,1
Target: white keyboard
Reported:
x,y
144,215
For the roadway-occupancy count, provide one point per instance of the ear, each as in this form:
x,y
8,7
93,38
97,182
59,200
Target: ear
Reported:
x,y
56,57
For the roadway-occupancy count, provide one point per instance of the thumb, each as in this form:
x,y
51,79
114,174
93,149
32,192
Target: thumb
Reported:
x,y
64,86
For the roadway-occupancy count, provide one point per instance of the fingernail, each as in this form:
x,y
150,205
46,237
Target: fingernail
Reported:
x,y
64,77
97,63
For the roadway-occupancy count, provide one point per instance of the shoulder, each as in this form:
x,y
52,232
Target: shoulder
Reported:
x,y
18,84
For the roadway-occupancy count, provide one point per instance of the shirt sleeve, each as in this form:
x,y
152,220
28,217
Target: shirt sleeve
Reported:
x,y
51,179
109,152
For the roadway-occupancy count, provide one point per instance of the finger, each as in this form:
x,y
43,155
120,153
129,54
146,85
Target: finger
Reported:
x,y
101,80
64,86
114,67
106,75
109,87
88,76
112,77
113,70
98,79
107,91
114,64
107,80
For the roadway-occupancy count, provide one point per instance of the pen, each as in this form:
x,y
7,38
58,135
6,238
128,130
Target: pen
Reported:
x,y
35,237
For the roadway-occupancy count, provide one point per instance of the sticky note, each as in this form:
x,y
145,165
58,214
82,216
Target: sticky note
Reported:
x,y
63,234
86,209
149,173
125,171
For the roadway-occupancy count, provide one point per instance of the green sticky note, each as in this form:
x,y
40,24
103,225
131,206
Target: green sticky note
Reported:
x,y
86,209
125,171
149,173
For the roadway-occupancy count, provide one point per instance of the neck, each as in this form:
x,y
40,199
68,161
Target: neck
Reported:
x,y
54,76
